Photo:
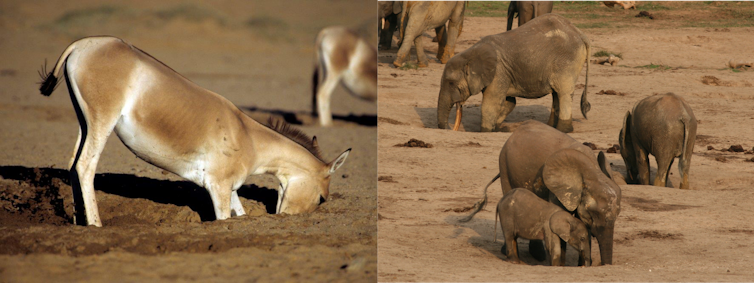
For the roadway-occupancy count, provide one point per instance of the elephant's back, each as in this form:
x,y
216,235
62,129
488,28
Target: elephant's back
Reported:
x,y
658,122
526,151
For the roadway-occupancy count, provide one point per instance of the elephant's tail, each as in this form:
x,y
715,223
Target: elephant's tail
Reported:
x,y
480,205
685,120
497,213
585,105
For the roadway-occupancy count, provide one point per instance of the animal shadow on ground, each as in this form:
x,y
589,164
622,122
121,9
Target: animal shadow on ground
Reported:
x,y
180,193
484,240
472,116
305,118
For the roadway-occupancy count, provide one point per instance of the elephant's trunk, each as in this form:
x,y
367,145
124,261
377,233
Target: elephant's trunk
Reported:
x,y
605,240
587,256
443,111
459,112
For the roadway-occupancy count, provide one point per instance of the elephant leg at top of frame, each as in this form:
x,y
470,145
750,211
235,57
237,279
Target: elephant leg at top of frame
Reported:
x,y
420,56
221,200
508,105
324,95
642,164
554,111
441,39
448,43
537,250
565,120
236,208
403,51
663,168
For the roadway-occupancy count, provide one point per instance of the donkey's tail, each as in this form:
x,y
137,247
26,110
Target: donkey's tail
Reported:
x,y
50,79
480,205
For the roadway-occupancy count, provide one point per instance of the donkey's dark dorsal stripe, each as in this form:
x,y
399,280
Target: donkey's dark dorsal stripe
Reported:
x,y
295,135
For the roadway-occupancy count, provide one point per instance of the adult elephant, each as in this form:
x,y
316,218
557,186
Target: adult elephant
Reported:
x,y
527,10
388,12
418,16
544,56
560,169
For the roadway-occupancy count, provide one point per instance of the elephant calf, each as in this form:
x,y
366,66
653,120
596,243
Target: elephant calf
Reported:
x,y
560,169
662,125
541,57
523,214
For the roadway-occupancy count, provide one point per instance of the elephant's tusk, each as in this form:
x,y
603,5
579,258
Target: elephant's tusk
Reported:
x,y
458,116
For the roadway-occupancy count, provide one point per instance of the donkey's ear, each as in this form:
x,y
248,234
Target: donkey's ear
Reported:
x,y
338,161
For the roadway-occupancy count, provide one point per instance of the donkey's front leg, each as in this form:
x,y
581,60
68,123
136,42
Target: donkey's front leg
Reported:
x,y
221,200
236,207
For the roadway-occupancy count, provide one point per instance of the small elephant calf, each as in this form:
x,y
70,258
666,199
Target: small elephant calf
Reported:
x,y
524,214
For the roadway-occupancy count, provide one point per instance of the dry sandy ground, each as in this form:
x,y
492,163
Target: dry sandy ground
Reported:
x,y
662,234
258,54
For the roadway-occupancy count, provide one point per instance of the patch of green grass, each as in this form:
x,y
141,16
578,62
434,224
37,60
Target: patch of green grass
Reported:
x,y
90,16
593,25
409,66
487,9
582,6
653,66
735,70
191,13
652,6
603,53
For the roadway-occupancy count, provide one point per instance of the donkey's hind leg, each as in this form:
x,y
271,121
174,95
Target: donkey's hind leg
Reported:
x,y
94,130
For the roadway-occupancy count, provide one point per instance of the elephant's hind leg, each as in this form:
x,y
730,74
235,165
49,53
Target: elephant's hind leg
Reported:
x,y
663,167
420,56
508,105
553,121
565,98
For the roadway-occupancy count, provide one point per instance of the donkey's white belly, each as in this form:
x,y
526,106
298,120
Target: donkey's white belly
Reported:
x,y
150,149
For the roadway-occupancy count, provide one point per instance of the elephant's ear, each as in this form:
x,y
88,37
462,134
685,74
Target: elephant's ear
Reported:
x,y
560,226
397,7
602,161
562,174
480,68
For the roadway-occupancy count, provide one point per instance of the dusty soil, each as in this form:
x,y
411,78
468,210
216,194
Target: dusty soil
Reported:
x,y
662,234
260,55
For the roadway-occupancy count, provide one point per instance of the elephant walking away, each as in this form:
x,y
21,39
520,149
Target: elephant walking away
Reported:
x,y
417,17
557,168
542,57
527,10
662,125
523,214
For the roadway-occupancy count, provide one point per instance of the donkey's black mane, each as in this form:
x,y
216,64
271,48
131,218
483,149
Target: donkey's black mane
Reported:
x,y
295,135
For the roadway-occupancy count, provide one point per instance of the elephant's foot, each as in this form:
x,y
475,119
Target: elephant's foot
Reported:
x,y
423,64
685,184
504,129
565,126
445,56
398,63
537,250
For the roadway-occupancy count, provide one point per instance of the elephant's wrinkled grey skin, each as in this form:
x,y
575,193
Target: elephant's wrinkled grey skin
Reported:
x,y
523,214
527,10
544,56
418,16
662,125
389,11
557,168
